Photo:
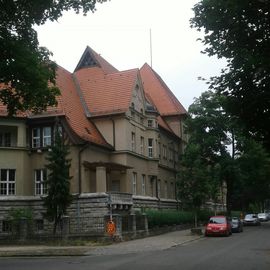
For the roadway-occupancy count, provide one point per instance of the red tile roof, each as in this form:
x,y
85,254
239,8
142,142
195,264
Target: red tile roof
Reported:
x,y
91,58
159,93
96,88
70,103
106,93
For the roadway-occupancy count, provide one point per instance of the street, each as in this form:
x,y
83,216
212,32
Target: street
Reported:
x,y
249,250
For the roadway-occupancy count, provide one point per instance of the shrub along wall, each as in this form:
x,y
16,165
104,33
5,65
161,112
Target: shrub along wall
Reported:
x,y
158,218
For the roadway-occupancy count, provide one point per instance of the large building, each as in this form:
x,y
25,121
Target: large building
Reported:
x,y
125,131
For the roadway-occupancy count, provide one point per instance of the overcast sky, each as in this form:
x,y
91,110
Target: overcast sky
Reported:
x,y
119,30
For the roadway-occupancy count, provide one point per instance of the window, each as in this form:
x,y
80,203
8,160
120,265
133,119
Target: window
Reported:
x,y
159,150
39,224
158,188
143,184
164,151
7,182
47,135
150,123
5,139
152,185
133,142
6,226
142,146
40,185
150,148
41,137
134,183
36,137
166,189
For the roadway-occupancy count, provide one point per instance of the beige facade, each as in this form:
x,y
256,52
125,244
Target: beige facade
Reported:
x,y
144,160
124,129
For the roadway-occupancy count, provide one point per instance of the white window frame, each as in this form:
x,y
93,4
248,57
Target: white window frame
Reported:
x,y
150,147
36,139
47,136
133,141
40,186
7,186
142,145
134,183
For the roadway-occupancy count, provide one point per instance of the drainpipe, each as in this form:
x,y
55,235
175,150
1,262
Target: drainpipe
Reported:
x,y
113,123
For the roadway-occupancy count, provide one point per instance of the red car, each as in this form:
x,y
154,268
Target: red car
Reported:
x,y
218,225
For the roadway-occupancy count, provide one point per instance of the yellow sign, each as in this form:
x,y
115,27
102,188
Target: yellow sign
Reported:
x,y
111,228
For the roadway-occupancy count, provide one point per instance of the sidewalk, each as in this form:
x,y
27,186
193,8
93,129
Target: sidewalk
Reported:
x,y
152,243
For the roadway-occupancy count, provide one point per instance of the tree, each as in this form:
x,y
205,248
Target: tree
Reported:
x,y
229,155
253,184
58,182
210,127
239,31
193,179
27,76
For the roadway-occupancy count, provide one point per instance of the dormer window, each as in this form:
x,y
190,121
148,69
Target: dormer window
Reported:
x,y
47,136
36,137
41,137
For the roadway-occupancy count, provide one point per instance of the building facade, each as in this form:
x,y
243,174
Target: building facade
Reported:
x,y
125,132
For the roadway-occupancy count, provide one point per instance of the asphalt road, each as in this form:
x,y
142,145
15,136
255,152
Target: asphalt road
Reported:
x,y
249,251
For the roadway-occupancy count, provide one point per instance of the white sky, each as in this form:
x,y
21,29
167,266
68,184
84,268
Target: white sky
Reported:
x,y
120,31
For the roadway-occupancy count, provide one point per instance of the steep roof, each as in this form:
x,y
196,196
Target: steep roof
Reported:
x,y
92,59
106,93
70,103
159,93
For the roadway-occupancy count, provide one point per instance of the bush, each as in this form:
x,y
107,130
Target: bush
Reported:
x,y
173,217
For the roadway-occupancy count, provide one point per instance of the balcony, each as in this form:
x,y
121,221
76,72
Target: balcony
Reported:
x,y
120,200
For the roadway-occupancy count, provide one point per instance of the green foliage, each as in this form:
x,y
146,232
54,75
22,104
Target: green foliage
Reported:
x,y
193,179
159,218
18,213
27,76
218,151
59,197
253,183
239,32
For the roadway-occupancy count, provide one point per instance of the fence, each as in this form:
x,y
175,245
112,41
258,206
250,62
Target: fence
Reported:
x,y
24,229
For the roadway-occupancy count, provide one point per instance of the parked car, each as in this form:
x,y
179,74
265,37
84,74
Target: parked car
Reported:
x,y
251,219
263,216
237,224
218,225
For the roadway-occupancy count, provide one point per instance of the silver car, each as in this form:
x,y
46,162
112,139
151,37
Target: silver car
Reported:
x,y
251,219
263,217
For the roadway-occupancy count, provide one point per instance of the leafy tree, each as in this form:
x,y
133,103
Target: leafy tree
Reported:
x,y
59,197
214,131
25,68
193,179
239,31
253,185
230,157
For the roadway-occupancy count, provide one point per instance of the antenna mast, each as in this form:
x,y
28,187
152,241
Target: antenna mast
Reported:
x,y
150,47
